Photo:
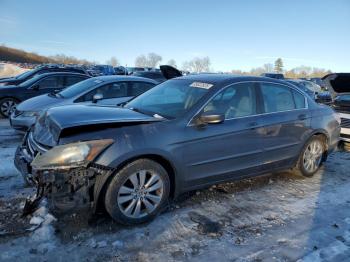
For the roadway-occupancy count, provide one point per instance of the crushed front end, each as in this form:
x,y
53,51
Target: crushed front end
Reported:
x,y
65,174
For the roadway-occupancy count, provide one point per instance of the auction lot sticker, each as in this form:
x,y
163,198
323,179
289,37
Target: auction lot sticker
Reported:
x,y
201,85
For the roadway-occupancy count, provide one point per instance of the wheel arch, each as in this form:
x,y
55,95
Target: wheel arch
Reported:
x,y
103,182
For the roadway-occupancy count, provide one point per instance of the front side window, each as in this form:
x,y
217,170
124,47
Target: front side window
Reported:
x,y
238,100
113,90
277,98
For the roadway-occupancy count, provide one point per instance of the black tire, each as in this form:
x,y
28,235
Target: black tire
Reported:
x,y
300,169
112,200
4,103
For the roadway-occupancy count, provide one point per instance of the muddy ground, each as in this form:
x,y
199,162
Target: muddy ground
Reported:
x,y
277,217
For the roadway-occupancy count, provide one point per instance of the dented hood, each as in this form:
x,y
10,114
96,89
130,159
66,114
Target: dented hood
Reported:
x,y
337,83
52,123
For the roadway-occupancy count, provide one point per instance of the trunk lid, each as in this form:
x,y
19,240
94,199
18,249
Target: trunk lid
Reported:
x,y
337,83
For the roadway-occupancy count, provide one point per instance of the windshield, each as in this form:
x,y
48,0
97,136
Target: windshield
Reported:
x,y
79,88
170,99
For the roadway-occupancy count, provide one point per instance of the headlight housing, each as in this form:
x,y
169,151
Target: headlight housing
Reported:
x,y
30,113
70,155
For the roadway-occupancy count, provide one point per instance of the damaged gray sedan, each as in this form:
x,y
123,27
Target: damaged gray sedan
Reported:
x,y
185,134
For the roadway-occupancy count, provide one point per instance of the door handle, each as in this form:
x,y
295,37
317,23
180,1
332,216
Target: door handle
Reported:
x,y
302,116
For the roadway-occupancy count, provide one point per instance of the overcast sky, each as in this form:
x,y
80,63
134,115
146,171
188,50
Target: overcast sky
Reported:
x,y
237,34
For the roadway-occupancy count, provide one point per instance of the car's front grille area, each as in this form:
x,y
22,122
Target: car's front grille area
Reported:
x,y
34,147
345,122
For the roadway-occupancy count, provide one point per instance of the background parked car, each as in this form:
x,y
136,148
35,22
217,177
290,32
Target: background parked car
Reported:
x,y
184,134
10,96
338,85
308,87
37,71
273,75
102,90
164,73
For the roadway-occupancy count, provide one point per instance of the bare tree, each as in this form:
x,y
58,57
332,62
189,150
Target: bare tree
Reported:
x,y
113,61
172,63
268,68
153,59
141,61
197,65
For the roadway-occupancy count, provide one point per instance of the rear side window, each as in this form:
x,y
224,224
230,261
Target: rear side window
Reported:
x,y
277,98
299,100
71,80
137,88
51,82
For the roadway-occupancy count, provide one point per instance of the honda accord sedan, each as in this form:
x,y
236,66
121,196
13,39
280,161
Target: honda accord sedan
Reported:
x,y
186,133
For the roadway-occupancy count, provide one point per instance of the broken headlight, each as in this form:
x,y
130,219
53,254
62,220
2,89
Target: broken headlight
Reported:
x,y
70,155
30,113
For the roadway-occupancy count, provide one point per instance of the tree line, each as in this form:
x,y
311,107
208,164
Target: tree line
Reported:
x,y
195,65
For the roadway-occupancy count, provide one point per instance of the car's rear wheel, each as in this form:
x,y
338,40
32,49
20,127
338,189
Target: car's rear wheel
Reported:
x,y
138,192
6,106
311,157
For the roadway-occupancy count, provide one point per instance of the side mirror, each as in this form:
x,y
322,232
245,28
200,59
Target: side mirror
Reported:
x,y
35,87
97,97
210,118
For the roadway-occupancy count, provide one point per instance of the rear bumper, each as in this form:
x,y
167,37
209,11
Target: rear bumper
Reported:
x,y
345,127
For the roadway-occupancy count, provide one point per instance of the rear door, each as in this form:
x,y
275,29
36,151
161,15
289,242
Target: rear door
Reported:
x,y
286,122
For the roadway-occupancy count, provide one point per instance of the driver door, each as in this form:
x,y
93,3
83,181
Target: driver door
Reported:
x,y
219,152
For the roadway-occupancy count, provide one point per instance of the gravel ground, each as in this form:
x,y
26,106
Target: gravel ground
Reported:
x,y
277,217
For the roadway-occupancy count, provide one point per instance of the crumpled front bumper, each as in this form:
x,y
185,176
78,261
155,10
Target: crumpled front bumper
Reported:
x,y
66,189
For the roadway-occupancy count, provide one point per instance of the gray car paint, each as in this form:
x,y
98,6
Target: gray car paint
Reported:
x,y
199,156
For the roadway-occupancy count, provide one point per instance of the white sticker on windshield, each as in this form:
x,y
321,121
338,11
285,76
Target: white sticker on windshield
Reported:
x,y
201,85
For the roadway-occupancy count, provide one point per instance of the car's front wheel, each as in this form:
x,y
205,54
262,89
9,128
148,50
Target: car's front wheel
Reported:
x,y
6,106
311,157
138,192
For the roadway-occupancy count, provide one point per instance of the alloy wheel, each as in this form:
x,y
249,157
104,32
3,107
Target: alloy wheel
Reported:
x,y
140,194
7,107
313,156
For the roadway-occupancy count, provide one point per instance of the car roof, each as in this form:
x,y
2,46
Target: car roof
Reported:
x,y
221,79
112,78
65,73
